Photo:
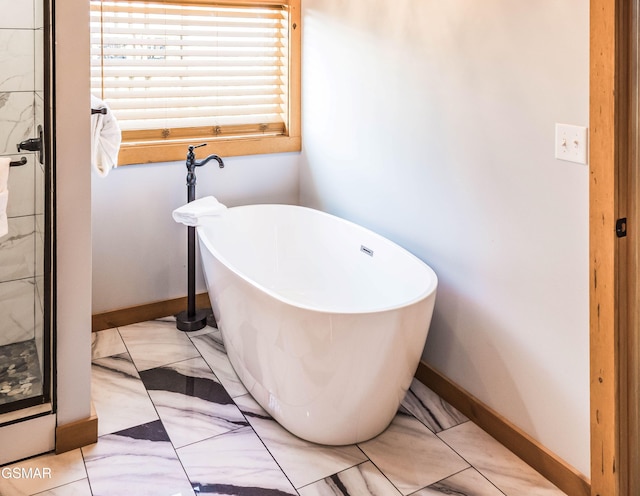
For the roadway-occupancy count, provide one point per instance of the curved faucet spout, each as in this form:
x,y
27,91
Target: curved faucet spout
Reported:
x,y
191,169
210,157
191,158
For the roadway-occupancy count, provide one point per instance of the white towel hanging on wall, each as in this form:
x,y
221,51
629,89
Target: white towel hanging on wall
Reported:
x,y
105,138
5,163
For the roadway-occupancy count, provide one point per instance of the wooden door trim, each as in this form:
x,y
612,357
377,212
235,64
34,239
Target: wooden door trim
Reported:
x,y
611,313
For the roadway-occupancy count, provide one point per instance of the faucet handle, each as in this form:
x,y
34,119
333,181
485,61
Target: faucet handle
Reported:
x,y
193,147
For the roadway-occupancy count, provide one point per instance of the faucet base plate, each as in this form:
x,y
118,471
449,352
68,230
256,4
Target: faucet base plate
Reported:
x,y
187,323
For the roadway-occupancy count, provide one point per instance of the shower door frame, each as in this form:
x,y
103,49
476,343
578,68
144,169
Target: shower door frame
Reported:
x,y
31,429
11,410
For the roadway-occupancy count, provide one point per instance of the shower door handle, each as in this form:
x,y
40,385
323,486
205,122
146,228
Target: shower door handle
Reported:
x,y
33,144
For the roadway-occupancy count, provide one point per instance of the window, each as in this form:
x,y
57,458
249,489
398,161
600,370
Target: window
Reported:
x,y
186,72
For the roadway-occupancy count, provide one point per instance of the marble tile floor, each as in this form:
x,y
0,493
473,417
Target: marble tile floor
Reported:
x,y
19,371
175,420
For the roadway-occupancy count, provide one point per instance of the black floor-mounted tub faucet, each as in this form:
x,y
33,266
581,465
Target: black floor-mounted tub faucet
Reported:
x,y
192,319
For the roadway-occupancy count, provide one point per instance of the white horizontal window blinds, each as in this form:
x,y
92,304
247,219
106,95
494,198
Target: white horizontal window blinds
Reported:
x,y
171,71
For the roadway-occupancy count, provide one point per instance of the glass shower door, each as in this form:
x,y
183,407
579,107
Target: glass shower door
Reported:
x,y
25,254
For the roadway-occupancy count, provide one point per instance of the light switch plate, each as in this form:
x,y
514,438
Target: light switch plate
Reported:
x,y
572,143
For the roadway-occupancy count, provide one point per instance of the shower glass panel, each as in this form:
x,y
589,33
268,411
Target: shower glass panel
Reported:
x,y
25,250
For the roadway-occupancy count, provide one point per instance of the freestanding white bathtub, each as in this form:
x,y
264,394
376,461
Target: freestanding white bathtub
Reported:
x,y
323,320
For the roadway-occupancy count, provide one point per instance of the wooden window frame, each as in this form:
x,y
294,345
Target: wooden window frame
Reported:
x,y
143,147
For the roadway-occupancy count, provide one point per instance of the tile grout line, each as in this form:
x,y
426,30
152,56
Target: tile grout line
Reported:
x,y
84,462
367,459
154,407
175,450
444,479
266,447
409,413
163,365
380,470
216,435
471,467
244,415
240,410
470,464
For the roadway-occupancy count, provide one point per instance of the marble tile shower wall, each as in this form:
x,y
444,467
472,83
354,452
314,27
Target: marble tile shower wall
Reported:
x,y
21,110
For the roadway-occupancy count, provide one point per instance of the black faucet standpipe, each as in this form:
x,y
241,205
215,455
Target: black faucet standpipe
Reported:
x,y
192,319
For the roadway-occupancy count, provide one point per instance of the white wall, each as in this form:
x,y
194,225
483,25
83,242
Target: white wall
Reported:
x,y
139,252
433,123
73,212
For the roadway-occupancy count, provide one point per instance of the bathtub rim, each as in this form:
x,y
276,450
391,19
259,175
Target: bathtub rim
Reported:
x,y
428,292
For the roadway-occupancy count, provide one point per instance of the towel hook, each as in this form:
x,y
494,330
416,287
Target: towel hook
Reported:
x,y
18,163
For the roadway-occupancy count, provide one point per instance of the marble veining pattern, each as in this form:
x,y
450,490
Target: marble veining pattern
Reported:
x,y
430,409
466,483
234,463
139,460
16,60
156,343
206,440
119,397
16,119
211,348
302,461
499,465
429,459
17,249
106,343
364,480
192,404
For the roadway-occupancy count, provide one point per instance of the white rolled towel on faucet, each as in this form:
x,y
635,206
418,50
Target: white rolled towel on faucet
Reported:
x,y
193,213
